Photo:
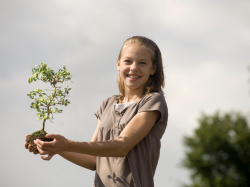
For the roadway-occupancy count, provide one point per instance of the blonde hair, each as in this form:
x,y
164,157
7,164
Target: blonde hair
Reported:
x,y
155,82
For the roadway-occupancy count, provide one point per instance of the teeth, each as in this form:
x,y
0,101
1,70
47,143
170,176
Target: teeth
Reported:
x,y
132,76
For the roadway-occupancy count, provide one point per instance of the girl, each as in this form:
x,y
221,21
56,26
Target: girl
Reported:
x,y
125,147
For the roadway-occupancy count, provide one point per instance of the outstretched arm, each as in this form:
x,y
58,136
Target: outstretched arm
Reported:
x,y
86,161
82,160
133,133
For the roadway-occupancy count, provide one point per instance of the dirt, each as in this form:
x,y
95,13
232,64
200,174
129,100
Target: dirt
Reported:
x,y
37,135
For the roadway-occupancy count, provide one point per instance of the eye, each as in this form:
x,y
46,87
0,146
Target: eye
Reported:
x,y
127,61
142,62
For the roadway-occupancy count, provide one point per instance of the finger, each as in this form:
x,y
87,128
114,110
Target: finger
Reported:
x,y
30,148
26,145
47,158
42,144
43,152
53,136
35,151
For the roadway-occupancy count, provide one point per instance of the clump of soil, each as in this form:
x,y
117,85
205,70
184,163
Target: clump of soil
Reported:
x,y
37,135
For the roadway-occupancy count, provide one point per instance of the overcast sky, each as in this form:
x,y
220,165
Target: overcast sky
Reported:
x,y
205,47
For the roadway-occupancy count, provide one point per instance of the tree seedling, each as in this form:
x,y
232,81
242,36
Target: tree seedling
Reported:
x,y
44,103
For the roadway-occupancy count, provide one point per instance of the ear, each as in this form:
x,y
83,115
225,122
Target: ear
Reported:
x,y
153,70
118,65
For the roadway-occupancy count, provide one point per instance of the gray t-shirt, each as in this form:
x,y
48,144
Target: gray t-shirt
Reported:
x,y
138,167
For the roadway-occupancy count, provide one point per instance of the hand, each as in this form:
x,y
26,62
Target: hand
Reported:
x,y
28,146
59,144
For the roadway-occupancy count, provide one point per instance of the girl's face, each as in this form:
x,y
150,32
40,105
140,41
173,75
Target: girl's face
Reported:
x,y
135,66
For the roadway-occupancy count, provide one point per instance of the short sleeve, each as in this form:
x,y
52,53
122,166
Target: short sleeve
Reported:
x,y
155,102
99,112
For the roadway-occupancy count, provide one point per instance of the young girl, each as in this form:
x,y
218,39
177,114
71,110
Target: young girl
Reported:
x,y
125,147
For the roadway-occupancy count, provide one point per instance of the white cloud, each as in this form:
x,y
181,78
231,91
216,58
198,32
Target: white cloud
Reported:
x,y
205,48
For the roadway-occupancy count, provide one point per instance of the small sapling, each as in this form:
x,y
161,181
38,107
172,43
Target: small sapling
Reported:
x,y
44,103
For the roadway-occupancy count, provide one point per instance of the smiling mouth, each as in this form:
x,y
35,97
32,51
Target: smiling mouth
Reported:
x,y
133,76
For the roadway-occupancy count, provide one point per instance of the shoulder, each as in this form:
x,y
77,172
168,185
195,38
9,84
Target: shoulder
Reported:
x,y
108,101
156,95
155,101
153,97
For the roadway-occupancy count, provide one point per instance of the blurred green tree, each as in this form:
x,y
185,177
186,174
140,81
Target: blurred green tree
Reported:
x,y
218,154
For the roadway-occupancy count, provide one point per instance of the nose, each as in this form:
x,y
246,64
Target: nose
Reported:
x,y
133,66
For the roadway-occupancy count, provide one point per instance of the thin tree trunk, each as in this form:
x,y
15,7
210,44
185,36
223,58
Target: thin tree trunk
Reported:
x,y
43,124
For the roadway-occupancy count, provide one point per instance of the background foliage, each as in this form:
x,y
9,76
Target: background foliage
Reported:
x,y
218,152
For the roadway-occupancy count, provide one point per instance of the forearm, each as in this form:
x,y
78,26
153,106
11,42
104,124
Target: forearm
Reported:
x,y
82,160
110,148
131,135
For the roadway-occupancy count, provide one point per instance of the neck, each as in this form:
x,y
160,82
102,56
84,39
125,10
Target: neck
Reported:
x,y
132,96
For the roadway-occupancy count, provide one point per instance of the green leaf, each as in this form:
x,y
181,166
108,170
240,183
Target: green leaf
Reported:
x,y
46,74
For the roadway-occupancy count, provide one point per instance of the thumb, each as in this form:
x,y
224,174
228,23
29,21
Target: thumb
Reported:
x,y
53,136
47,158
